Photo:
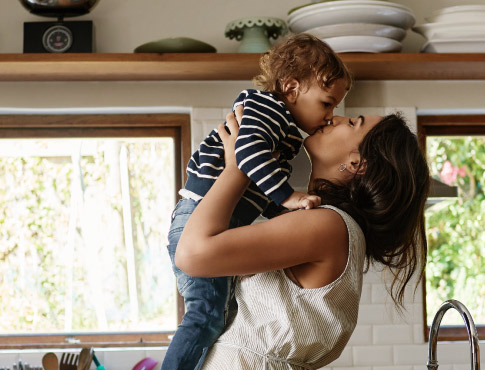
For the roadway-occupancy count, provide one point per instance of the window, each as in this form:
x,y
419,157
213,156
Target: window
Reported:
x,y
85,207
455,148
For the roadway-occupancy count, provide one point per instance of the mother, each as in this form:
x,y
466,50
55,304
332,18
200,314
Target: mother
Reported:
x,y
301,272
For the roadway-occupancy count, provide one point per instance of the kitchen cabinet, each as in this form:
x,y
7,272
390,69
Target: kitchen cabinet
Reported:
x,y
230,66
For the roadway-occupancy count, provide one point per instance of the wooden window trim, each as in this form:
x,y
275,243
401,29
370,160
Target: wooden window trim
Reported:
x,y
449,125
101,125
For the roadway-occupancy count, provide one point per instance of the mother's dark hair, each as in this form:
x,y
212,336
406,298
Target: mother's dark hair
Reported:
x,y
388,200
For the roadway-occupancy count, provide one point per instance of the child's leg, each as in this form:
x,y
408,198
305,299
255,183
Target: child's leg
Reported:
x,y
202,324
205,301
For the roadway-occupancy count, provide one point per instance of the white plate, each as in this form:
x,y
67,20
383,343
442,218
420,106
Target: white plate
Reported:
x,y
456,30
454,46
330,3
359,29
312,18
363,44
458,13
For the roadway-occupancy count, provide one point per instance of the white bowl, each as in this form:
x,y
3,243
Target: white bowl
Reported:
x,y
363,44
330,3
458,13
454,46
358,29
315,17
456,30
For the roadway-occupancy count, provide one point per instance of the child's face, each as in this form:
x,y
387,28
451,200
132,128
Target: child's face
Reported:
x,y
313,106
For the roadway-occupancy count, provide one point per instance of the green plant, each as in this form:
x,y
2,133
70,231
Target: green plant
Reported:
x,y
455,228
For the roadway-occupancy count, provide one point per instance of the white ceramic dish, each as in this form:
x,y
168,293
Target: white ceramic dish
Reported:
x,y
458,13
358,29
312,18
325,4
454,46
456,30
363,44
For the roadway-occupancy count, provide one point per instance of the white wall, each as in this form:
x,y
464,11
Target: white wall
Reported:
x,y
122,25
383,340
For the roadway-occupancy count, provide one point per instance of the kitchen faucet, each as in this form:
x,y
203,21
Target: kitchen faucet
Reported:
x,y
470,328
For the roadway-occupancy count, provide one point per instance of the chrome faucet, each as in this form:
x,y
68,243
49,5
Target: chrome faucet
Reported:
x,y
470,328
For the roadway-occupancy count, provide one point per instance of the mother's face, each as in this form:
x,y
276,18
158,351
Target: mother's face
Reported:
x,y
333,150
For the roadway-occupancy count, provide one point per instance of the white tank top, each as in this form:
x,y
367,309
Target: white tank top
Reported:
x,y
280,325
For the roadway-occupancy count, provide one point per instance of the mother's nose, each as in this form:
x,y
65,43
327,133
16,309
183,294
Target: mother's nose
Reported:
x,y
337,119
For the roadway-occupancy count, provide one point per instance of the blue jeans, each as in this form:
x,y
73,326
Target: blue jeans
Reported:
x,y
205,303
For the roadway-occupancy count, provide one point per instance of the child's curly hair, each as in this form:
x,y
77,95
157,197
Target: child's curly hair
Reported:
x,y
303,57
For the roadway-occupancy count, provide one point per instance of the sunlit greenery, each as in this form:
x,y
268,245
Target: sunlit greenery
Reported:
x,y
81,224
456,228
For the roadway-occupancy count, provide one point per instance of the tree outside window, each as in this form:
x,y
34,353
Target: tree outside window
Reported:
x,y
455,227
84,223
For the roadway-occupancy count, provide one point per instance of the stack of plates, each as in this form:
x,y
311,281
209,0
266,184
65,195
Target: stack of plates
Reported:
x,y
456,29
369,26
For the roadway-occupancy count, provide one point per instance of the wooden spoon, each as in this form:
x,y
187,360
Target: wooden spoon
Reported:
x,y
50,361
85,359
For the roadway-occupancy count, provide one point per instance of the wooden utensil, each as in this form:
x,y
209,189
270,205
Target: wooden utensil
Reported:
x,y
69,361
50,361
85,359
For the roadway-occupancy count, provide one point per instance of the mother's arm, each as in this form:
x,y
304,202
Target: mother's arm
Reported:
x,y
208,248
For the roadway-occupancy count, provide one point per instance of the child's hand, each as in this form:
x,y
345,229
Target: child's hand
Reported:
x,y
229,138
299,200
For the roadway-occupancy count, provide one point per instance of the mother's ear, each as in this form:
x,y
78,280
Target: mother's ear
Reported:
x,y
356,164
291,89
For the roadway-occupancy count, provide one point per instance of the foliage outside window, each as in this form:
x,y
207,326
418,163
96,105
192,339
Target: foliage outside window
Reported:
x,y
84,228
455,228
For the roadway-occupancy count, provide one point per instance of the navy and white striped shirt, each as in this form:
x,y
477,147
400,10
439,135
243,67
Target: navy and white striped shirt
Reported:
x,y
266,127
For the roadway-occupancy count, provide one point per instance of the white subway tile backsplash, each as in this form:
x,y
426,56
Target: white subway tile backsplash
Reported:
x,y
380,294
456,352
413,314
372,355
362,335
410,354
460,367
32,359
373,276
419,336
203,121
345,359
375,314
366,295
197,134
122,360
395,334
414,293
7,360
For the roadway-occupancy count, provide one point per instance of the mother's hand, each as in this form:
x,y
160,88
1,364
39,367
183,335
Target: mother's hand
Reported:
x,y
229,138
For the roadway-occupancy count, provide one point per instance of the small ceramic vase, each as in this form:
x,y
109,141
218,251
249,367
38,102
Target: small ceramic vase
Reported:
x,y
255,32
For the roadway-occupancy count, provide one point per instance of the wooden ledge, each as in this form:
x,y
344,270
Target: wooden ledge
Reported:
x,y
419,66
226,67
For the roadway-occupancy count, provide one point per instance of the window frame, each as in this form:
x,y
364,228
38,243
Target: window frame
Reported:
x,y
449,125
175,125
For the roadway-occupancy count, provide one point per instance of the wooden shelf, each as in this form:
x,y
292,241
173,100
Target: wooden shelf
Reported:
x,y
223,67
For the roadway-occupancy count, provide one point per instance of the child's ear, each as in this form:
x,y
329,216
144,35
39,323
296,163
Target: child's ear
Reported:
x,y
291,89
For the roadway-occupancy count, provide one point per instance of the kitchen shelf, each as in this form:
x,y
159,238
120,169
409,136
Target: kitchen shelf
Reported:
x,y
230,66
